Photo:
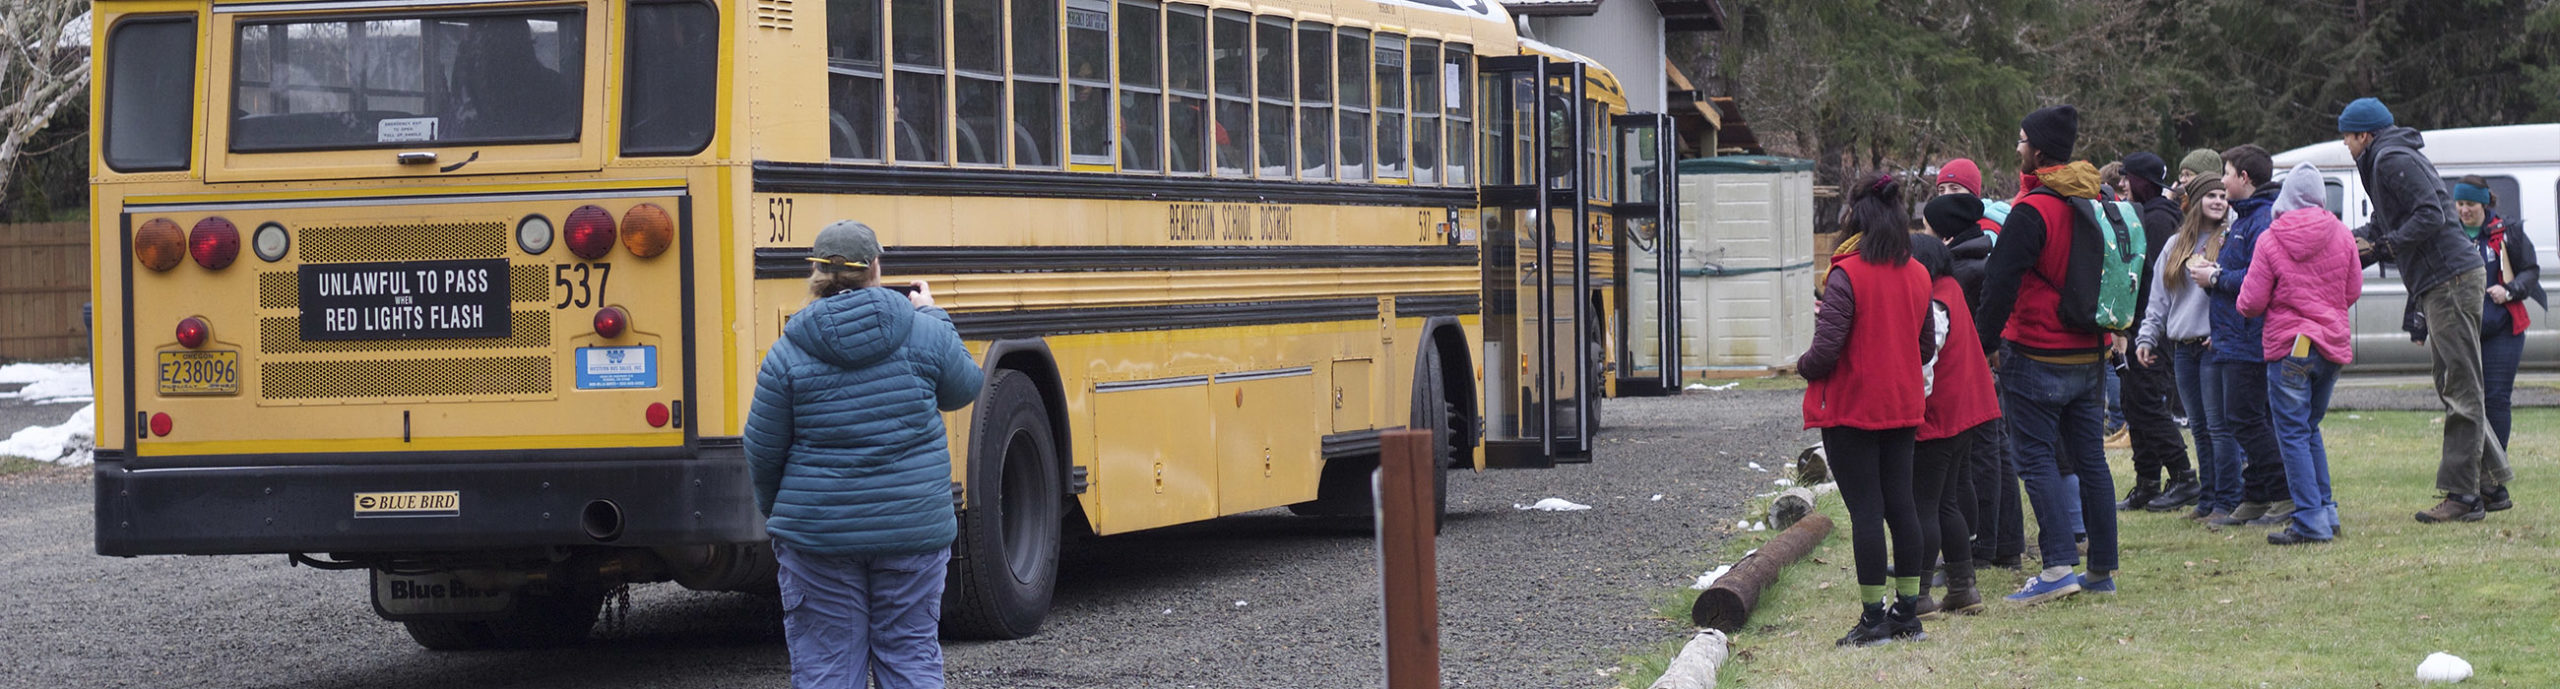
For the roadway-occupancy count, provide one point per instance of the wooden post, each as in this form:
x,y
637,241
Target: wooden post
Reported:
x,y
1408,565
1726,605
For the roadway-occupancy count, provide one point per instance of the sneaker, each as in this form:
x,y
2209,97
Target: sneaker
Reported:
x,y
2455,508
2181,491
2200,512
1872,629
2282,512
2496,500
1903,620
2292,537
2245,512
2138,498
2105,587
2038,590
2215,517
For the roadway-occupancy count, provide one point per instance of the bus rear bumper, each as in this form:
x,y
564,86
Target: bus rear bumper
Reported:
x,y
703,498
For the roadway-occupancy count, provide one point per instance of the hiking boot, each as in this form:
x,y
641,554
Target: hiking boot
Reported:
x,y
2245,512
1903,619
1872,628
2455,508
2496,500
2181,491
1925,607
1961,598
2289,536
2138,498
2282,512
2200,512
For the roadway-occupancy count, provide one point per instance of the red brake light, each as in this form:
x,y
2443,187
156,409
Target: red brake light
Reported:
x,y
159,244
646,230
214,242
657,415
160,424
193,331
590,232
611,320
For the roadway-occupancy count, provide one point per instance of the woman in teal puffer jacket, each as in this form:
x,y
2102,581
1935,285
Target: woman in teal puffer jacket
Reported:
x,y
845,440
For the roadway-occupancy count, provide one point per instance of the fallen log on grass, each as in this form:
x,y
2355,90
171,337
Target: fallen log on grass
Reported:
x,y
1727,604
1695,667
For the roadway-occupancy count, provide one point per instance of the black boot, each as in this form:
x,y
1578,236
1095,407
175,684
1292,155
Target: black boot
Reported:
x,y
2181,491
2141,495
1872,628
1904,619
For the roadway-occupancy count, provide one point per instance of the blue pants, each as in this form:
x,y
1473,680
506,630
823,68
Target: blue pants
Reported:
x,y
849,620
2298,396
2499,357
2244,418
2217,453
2057,419
2115,398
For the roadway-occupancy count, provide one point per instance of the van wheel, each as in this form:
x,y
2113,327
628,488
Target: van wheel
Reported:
x,y
544,620
1005,563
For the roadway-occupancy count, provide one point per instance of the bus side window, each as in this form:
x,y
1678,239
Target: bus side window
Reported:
x,y
1353,76
1390,75
1315,101
1424,62
854,105
977,86
1035,83
1186,65
1271,80
151,79
1457,86
1231,51
916,41
1141,89
1089,81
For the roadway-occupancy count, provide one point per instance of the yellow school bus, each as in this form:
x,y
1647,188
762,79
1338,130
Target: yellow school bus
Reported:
x,y
471,294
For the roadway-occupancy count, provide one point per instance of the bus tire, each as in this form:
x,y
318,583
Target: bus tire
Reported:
x,y
1005,563
1433,411
539,620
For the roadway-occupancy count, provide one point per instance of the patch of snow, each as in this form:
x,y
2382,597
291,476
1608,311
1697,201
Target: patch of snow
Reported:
x,y
1755,466
1709,578
1727,386
71,444
1696,386
1744,524
1657,497
1553,505
1759,526
2443,667
1239,604
1784,482
48,383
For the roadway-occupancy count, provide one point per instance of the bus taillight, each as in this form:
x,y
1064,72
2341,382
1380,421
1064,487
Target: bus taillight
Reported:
x,y
215,243
590,232
611,321
657,415
646,230
159,244
193,331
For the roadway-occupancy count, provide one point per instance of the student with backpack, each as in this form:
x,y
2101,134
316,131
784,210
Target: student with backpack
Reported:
x,y
1868,394
2042,314
2264,500
2304,280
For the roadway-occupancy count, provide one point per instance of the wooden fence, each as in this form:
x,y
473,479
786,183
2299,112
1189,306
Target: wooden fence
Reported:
x,y
44,278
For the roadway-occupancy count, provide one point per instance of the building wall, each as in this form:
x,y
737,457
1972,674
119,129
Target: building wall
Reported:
x,y
1625,36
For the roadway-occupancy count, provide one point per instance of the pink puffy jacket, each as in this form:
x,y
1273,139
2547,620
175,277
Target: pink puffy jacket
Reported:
x,y
2304,279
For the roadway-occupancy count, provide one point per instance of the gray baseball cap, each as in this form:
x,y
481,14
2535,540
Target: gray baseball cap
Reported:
x,y
845,245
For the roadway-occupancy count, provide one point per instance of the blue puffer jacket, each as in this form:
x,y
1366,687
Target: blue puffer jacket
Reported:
x,y
844,439
2235,337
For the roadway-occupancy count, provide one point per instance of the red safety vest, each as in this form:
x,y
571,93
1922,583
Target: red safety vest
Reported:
x,y
1878,384
1963,396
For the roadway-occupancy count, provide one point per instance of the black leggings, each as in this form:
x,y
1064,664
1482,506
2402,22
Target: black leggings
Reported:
x,y
1874,471
1941,497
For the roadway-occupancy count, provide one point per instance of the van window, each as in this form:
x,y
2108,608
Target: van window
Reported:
x,y
2336,199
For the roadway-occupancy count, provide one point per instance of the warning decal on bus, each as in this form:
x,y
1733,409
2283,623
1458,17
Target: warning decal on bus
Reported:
x,y
406,300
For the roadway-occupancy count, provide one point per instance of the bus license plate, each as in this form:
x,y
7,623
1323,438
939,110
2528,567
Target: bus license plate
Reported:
x,y
199,373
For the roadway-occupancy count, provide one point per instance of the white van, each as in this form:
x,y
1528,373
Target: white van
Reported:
x,y
2522,165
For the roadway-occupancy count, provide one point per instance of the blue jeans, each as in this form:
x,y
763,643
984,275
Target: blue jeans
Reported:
x,y
2217,453
2115,398
848,620
2298,396
2057,418
2499,357
2245,419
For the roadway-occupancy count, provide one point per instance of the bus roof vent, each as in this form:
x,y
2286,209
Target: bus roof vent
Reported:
x,y
773,14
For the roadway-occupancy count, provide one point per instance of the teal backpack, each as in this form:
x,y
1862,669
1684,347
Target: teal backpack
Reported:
x,y
2108,252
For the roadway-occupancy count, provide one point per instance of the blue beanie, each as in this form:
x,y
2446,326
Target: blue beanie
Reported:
x,y
2465,192
2364,115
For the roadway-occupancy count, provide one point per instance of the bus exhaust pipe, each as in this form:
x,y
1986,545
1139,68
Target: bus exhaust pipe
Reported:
x,y
603,520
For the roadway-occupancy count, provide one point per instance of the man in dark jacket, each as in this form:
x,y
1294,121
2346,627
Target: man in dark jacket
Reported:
x,y
2158,448
1997,523
2264,496
2052,378
2413,226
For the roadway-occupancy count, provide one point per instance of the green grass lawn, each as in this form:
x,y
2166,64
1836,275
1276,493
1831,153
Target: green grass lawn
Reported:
x,y
2219,608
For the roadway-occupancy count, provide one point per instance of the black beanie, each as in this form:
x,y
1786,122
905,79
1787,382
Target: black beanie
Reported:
x,y
2053,131
1953,214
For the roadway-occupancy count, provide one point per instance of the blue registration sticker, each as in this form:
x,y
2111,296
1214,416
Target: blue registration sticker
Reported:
x,y
613,368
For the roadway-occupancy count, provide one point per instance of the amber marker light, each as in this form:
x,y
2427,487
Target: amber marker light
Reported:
x,y
647,230
159,244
